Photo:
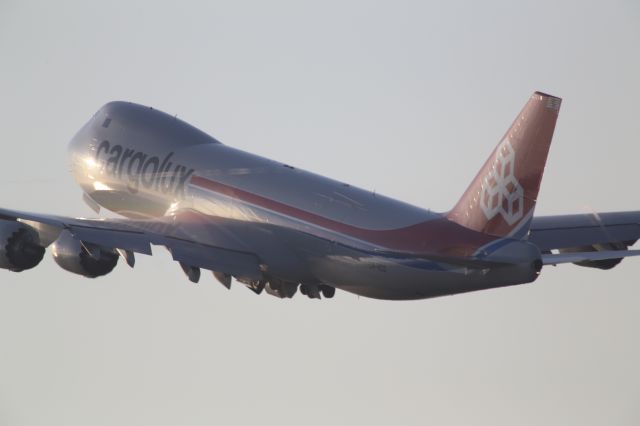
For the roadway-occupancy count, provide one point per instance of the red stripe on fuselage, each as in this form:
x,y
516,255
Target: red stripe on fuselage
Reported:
x,y
440,236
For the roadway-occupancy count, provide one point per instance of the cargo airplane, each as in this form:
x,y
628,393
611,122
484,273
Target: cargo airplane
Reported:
x,y
274,227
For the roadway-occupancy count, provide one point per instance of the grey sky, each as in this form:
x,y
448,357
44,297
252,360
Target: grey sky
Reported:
x,y
405,98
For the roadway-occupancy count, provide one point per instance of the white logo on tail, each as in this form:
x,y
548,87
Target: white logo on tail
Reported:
x,y
501,191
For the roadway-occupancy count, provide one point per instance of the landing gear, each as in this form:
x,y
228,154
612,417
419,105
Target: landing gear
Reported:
x,y
273,286
281,289
317,291
310,290
258,286
327,291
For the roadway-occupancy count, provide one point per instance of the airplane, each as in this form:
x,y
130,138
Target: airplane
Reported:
x,y
274,227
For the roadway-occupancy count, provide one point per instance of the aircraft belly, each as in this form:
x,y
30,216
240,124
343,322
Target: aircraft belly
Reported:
x,y
403,279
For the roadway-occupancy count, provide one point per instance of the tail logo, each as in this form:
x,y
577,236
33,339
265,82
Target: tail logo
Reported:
x,y
501,192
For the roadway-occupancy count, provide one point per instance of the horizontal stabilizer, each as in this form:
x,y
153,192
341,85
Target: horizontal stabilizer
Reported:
x,y
580,230
555,259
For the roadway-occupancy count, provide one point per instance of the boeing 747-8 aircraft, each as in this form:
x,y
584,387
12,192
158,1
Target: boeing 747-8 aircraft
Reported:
x,y
276,228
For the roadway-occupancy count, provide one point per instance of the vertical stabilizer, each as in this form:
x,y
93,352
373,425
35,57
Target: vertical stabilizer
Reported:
x,y
501,199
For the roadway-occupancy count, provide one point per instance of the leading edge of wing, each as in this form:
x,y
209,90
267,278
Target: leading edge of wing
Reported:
x,y
63,222
112,234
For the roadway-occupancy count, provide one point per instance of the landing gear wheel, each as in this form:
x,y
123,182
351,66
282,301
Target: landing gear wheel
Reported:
x,y
327,291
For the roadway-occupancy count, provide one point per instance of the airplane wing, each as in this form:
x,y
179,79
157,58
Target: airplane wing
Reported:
x,y
593,240
214,247
586,239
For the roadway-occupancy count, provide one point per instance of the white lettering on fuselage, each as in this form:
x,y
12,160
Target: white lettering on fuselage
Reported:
x,y
137,169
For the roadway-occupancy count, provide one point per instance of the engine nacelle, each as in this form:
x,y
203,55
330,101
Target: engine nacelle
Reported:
x,y
83,258
20,247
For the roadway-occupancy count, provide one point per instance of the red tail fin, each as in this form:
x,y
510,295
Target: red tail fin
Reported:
x,y
501,199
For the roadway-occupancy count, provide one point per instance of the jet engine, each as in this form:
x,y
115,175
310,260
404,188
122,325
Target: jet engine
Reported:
x,y
86,259
20,247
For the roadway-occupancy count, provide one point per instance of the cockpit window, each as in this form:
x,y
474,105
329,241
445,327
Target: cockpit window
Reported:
x,y
106,123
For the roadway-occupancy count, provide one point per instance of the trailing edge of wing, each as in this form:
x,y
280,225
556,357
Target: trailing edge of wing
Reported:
x,y
555,259
232,262
136,242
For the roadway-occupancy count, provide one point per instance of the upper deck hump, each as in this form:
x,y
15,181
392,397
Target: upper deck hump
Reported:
x,y
279,186
136,118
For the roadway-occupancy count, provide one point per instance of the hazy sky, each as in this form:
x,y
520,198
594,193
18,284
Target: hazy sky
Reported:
x,y
404,97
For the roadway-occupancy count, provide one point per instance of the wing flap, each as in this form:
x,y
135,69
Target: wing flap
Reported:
x,y
137,242
245,265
